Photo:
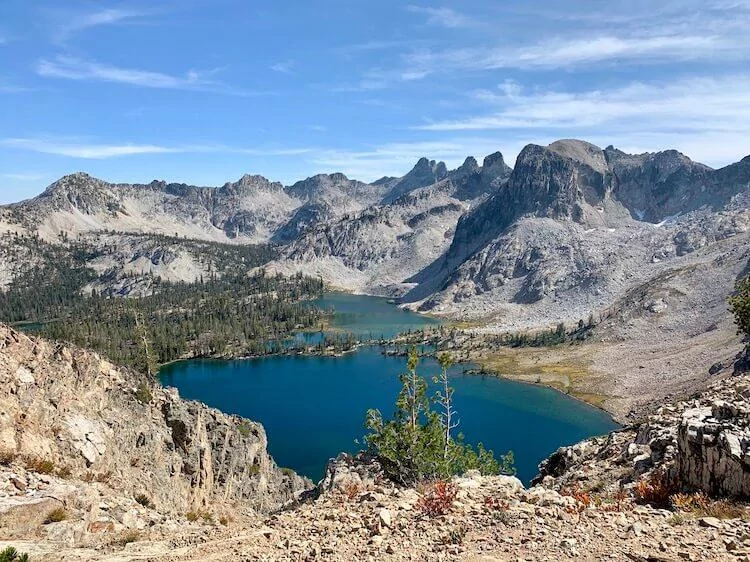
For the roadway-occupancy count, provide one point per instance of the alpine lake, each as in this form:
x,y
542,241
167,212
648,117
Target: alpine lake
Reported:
x,y
314,407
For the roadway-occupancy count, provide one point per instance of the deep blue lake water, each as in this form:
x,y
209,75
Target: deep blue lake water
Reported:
x,y
314,407
371,316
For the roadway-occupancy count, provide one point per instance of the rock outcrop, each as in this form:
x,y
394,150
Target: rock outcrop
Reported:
x,y
713,448
701,443
81,418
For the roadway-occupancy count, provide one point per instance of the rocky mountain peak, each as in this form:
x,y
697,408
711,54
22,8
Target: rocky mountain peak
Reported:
x,y
249,184
81,191
495,160
338,177
583,152
470,165
71,182
425,172
322,186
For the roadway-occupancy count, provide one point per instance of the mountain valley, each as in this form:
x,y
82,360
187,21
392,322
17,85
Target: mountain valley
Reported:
x,y
602,274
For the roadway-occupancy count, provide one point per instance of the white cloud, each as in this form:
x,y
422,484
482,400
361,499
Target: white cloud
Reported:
x,y
77,148
26,176
706,118
687,104
395,159
573,53
443,17
6,88
82,22
72,68
284,67
86,151
574,36
77,69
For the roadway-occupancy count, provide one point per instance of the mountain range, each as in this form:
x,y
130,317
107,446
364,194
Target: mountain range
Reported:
x,y
564,233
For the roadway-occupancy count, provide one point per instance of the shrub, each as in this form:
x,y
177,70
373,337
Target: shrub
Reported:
x,y
616,503
417,443
193,516
244,428
455,535
701,505
656,489
143,393
144,500
10,554
725,509
254,469
41,466
287,472
495,504
438,499
582,497
127,537
225,520
690,502
739,304
7,457
351,489
55,516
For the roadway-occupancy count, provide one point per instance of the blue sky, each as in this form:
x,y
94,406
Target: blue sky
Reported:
x,y
203,91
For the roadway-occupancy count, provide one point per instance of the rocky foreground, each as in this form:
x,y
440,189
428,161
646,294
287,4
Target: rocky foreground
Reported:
x,y
96,464
362,518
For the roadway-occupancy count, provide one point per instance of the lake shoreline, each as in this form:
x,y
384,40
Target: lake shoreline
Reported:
x,y
345,388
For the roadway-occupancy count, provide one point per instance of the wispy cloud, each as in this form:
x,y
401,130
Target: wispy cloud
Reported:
x,y
395,159
7,88
692,103
368,46
71,68
571,53
444,17
77,69
25,176
78,148
575,37
89,20
284,67
707,118
379,79
85,151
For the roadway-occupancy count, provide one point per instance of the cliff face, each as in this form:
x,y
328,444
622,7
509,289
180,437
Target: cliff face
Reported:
x,y
91,421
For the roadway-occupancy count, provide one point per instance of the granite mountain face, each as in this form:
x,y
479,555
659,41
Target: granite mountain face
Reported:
x,y
567,231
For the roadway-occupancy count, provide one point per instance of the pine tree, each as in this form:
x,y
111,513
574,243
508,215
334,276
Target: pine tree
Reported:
x,y
739,304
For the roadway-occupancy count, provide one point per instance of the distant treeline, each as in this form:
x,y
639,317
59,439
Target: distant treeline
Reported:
x,y
228,315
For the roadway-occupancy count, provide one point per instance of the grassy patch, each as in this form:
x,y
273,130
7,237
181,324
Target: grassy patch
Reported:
x,y
40,466
144,500
55,516
126,538
570,374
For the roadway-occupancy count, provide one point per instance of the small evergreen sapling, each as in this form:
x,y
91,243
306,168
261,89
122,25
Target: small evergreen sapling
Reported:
x,y
417,443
